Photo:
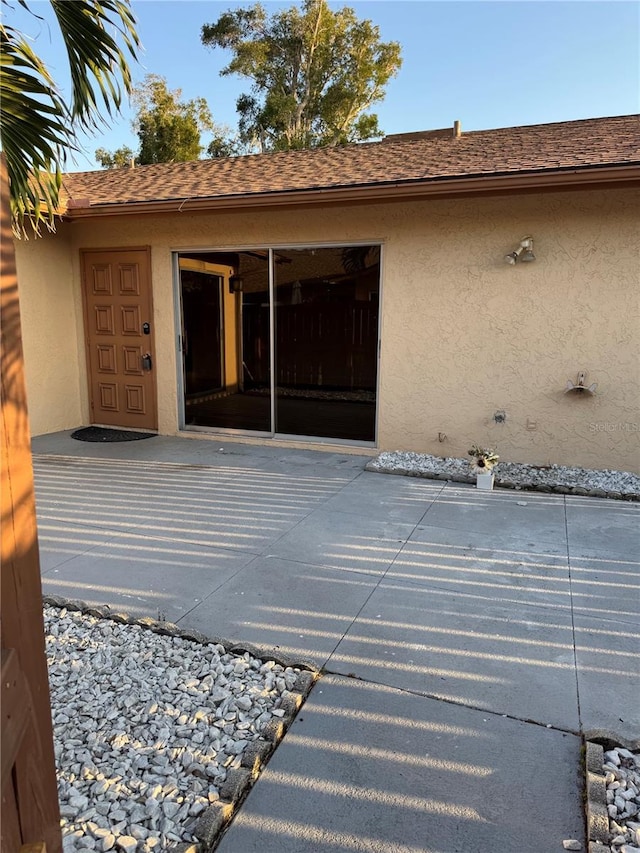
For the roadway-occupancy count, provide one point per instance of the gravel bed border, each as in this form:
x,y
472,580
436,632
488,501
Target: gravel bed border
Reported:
x,y
596,800
170,629
216,818
510,475
601,825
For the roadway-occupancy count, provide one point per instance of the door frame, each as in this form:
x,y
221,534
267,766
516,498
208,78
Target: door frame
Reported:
x,y
272,248
85,319
222,272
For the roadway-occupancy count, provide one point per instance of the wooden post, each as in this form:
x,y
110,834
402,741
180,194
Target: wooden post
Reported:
x,y
30,812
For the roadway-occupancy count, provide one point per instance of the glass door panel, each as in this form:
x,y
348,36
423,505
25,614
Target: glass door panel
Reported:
x,y
201,336
226,340
326,341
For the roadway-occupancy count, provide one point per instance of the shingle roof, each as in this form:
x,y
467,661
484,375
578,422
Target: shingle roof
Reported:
x,y
533,150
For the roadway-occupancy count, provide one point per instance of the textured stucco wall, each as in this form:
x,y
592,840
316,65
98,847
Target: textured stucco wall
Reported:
x,y
464,334
51,316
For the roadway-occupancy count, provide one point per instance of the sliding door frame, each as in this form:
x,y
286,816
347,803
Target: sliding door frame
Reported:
x,y
271,249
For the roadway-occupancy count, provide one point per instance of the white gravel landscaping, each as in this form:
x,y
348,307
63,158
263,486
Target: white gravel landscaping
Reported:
x,y
622,777
147,727
552,478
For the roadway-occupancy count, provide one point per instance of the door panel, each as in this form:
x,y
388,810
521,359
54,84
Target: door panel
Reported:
x,y
118,309
225,340
202,333
326,344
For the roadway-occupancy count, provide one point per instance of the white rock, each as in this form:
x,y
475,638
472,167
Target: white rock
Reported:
x,y
170,809
625,753
218,694
127,843
138,831
571,844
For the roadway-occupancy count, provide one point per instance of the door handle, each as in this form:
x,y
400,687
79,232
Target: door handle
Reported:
x,y
147,363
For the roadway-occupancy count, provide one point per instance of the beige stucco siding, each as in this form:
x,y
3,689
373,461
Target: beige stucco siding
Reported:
x,y
464,335
51,314
468,335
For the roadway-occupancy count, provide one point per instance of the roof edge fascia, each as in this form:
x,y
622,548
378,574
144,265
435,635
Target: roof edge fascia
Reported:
x,y
588,178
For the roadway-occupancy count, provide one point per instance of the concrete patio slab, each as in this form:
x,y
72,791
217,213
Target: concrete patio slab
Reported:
x,y
524,544
247,510
344,541
370,768
498,574
144,576
294,608
507,657
206,450
60,542
403,499
603,528
608,670
514,515
606,588
438,608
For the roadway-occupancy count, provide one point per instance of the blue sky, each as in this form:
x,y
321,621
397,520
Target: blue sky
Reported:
x,y
488,64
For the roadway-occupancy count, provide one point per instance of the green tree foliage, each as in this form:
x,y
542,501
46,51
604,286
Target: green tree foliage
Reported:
x,y
315,73
226,144
168,129
115,159
38,124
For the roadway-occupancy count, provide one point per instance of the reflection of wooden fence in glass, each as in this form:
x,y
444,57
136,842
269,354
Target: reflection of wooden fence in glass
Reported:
x,y
331,346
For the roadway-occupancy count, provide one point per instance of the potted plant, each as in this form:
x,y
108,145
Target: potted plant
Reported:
x,y
483,462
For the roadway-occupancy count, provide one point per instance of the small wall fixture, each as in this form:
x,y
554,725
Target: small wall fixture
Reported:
x,y
523,253
581,387
236,284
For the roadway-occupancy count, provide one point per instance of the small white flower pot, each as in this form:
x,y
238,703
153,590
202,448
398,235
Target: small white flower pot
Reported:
x,y
484,480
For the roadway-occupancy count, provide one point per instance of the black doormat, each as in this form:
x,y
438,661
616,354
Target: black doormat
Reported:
x,y
101,434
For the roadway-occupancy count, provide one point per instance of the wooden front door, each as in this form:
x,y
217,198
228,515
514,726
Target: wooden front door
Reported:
x,y
119,334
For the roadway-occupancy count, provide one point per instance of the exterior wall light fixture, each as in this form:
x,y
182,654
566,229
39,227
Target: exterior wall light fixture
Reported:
x,y
236,284
523,253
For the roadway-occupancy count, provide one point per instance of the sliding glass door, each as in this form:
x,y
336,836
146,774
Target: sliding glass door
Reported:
x,y
318,376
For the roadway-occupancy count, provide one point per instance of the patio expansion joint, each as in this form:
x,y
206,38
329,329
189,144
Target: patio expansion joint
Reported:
x,y
373,590
219,587
573,622
435,697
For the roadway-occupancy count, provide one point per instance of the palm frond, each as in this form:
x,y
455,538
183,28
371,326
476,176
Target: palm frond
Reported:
x,y
96,60
35,131
38,127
